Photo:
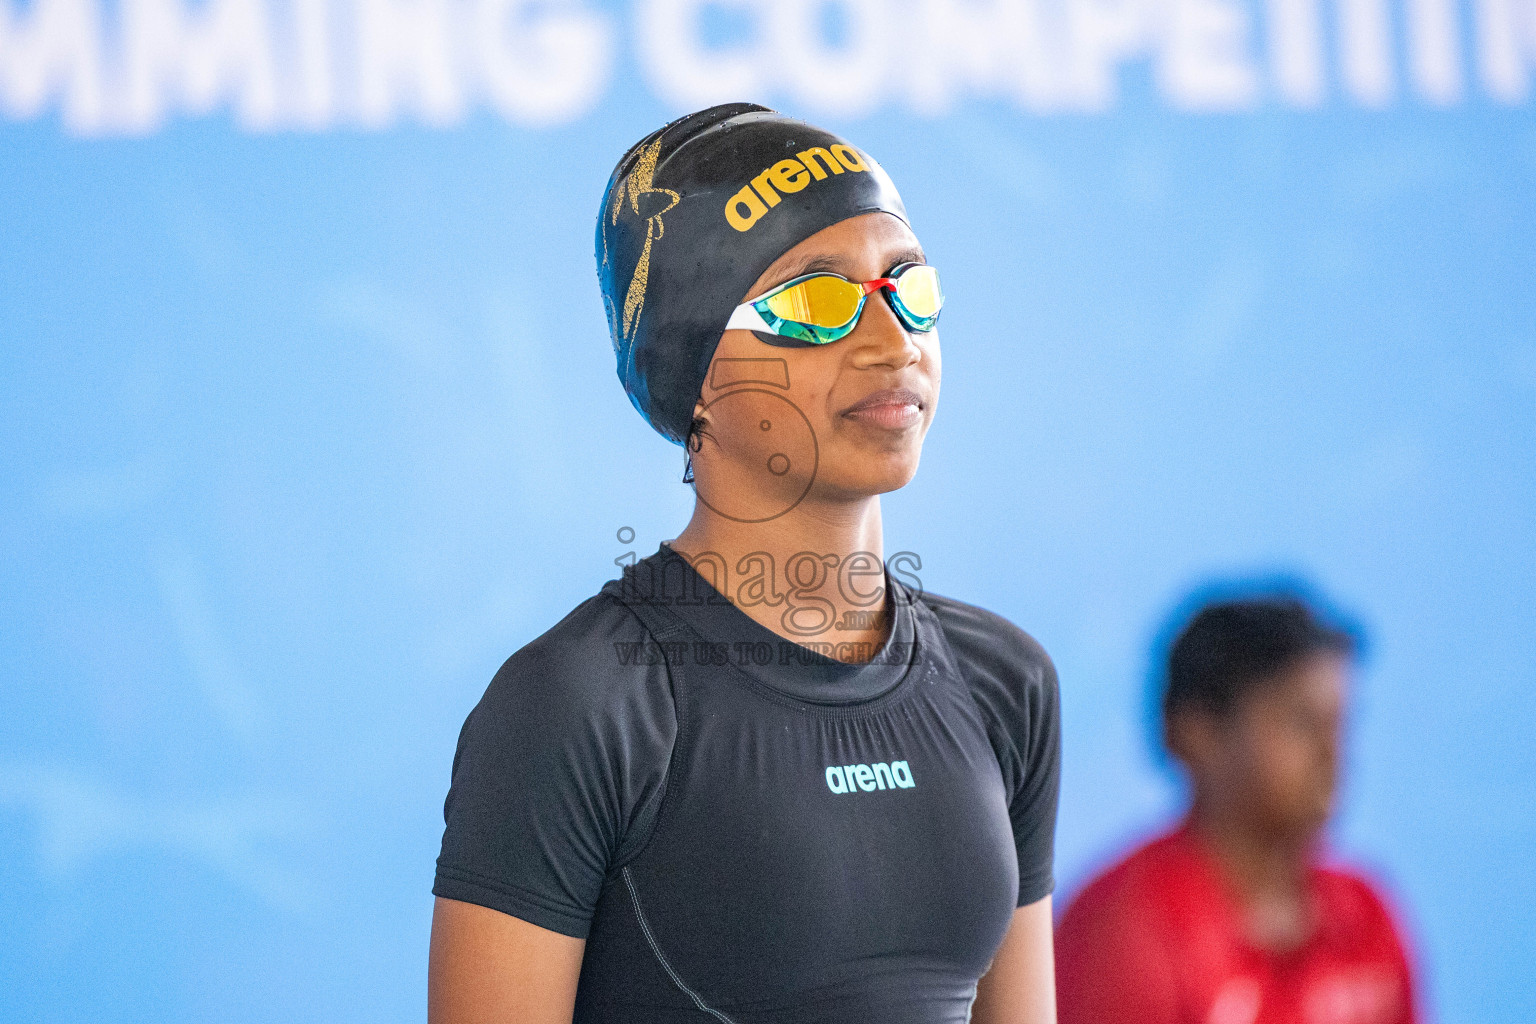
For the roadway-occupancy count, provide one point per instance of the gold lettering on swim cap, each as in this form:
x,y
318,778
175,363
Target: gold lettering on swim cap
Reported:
x,y
810,156
849,157
766,190
788,176
755,209
641,183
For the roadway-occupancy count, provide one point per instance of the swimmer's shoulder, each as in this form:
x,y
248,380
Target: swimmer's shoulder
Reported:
x,y
559,767
994,653
595,667
1012,684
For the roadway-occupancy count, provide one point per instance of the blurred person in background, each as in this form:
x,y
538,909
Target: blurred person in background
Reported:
x,y
1232,918
819,796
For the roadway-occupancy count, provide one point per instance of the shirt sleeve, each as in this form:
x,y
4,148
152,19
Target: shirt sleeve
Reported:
x,y
1037,785
1014,683
558,771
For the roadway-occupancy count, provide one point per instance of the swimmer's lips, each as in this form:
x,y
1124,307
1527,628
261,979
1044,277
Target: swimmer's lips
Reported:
x,y
892,408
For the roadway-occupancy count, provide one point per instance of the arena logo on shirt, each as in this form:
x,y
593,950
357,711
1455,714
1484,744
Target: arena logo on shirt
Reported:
x,y
850,778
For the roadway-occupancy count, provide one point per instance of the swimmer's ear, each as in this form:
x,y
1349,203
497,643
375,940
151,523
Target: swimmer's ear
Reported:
x,y
695,439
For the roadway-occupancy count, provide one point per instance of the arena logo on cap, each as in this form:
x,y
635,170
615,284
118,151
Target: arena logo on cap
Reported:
x,y
748,206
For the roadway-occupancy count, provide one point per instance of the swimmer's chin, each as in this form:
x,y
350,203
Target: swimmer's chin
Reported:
x,y
870,473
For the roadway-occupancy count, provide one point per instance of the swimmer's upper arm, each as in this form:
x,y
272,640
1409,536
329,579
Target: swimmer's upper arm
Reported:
x,y
486,966
1020,987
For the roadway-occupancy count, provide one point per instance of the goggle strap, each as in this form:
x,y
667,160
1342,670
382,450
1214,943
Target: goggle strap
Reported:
x,y
746,318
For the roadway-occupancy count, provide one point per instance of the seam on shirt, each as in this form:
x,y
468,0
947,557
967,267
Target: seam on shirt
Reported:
x,y
645,928
679,719
970,694
1028,788
1050,686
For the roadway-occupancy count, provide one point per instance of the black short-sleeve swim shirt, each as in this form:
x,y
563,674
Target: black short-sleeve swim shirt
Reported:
x,y
745,830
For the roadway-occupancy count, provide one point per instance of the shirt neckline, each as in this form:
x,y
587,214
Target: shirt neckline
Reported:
x,y
771,660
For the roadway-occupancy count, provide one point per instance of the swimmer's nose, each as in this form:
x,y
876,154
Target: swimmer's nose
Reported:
x,y
881,339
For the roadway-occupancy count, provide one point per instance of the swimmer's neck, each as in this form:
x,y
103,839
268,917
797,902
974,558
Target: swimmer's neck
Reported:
x,y
1267,873
837,532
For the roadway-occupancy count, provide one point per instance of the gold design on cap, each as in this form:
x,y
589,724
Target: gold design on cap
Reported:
x,y
641,183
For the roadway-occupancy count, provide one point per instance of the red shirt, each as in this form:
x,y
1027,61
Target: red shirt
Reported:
x,y
1158,939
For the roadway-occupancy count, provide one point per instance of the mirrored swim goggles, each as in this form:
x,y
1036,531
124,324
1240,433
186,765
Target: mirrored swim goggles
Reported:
x,y
818,309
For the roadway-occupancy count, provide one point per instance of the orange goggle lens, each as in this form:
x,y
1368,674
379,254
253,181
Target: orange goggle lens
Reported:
x,y
820,301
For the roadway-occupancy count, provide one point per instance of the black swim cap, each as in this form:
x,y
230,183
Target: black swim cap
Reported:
x,y
692,216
